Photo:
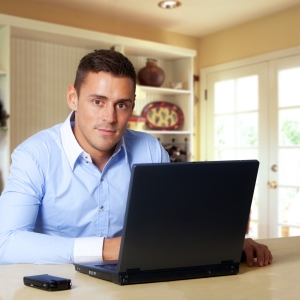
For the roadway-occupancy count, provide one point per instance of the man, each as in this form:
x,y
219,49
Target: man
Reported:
x,y
65,198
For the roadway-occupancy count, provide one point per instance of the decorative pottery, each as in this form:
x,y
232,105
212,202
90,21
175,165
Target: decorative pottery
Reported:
x,y
175,85
161,115
3,116
177,151
151,74
136,123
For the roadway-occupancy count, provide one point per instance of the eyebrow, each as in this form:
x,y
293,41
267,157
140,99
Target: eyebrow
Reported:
x,y
98,96
104,97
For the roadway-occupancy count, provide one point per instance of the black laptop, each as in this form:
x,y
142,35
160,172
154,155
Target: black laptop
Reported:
x,y
182,221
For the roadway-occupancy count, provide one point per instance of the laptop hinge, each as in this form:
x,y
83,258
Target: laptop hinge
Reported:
x,y
132,271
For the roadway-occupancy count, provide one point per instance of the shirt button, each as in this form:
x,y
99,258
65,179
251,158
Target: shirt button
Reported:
x,y
86,162
101,235
102,208
102,179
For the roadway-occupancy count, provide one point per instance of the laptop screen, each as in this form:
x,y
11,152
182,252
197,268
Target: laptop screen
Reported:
x,y
186,214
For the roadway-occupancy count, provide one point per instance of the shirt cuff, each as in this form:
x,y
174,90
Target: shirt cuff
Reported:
x,y
88,249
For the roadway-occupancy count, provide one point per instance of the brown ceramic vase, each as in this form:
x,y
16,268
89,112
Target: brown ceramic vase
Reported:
x,y
151,74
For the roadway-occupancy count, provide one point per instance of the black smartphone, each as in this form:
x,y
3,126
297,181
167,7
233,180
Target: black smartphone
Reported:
x,y
48,282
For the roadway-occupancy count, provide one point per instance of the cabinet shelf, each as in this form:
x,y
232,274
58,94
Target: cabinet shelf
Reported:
x,y
168,132
163,91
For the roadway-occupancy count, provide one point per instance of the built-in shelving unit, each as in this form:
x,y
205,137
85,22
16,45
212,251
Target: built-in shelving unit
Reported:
x,y
16,33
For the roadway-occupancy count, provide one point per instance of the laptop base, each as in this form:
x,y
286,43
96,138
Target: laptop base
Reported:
x,y
137,276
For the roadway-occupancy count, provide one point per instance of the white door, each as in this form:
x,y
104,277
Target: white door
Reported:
x,y
237,128
253,112
284,155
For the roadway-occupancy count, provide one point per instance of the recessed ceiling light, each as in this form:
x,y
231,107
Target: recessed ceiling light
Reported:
x,y
169,4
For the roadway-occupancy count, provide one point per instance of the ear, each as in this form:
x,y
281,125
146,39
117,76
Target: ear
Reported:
x,y
72,98
133,104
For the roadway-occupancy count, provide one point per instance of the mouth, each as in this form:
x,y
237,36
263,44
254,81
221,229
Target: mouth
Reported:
x,y
107,132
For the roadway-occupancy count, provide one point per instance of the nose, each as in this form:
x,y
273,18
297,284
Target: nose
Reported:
x,y
109,114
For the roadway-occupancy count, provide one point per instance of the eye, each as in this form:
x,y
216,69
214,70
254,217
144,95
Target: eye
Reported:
x,y
122,105
97,101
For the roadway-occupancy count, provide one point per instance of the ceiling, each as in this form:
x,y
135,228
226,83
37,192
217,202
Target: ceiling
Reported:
x,y
194,17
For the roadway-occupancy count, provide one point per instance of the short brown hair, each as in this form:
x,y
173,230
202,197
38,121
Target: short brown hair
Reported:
x,y
104,60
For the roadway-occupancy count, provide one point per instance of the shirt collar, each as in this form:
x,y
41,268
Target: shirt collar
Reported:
x,y
71,147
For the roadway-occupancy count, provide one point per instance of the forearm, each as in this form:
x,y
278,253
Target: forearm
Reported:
x,y
111,248
30,247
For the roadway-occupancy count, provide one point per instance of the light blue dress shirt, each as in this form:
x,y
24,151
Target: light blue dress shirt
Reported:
x,y
55,194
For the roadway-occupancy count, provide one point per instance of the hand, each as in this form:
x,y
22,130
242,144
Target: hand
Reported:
x,y
252,250
111,248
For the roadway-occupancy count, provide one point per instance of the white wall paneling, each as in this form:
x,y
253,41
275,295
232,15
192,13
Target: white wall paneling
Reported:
x,y
40,74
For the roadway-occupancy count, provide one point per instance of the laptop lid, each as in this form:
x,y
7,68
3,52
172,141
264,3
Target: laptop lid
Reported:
x,y
186,214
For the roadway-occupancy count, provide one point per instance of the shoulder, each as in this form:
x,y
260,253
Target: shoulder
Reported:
x,y
32,158
44,141
142,147
138,135
134,138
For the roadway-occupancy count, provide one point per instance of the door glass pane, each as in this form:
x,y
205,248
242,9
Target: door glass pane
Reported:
x,y
247,154
224,131
247,130
224,97
289,87
289,167
294,231
224,154
247,93
289,127
289,205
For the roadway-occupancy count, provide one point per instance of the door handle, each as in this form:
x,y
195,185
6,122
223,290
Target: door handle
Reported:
x,y
274,168
272,184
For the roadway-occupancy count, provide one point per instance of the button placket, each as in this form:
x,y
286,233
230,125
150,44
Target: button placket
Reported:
x,y
87,158
102,212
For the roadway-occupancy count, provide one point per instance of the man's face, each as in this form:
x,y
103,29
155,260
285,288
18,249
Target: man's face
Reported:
x,y
102,111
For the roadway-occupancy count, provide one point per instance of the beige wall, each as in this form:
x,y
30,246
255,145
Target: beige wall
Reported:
x,y
276,32
272,33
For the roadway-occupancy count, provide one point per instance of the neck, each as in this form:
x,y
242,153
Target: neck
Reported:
x,y
100,160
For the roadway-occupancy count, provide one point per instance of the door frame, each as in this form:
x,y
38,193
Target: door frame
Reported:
x,y
227,66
